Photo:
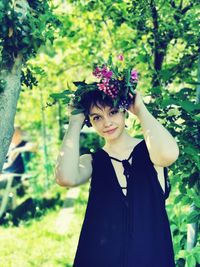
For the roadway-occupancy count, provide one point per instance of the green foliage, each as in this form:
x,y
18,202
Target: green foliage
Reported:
x,y
28,78
24,28
182,121
90,142
191,258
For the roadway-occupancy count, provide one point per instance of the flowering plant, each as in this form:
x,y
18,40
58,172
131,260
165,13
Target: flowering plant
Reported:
x,y
117,84
114,81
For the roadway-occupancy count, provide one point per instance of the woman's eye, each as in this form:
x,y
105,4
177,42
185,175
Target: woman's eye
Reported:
x,y
96,118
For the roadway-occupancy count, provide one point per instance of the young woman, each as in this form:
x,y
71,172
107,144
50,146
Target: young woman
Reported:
x,y
125,224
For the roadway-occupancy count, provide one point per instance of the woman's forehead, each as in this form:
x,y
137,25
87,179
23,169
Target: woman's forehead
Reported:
x,y
99,109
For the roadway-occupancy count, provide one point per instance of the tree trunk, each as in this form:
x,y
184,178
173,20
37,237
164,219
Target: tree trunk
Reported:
x,y
11,74
8,105
160,46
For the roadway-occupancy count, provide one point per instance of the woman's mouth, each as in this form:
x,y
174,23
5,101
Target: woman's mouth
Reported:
x,y
110,131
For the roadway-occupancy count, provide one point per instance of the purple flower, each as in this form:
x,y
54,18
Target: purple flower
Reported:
x,y
124,104
134,75
97,72
109,74
103,73
120,57
106,73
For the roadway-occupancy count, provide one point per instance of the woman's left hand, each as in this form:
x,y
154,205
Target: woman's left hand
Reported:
x,y
137,103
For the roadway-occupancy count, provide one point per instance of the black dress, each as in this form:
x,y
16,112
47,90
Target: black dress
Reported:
x,y
125,230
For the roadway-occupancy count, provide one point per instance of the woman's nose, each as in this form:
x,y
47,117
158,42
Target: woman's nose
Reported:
x,y
107,122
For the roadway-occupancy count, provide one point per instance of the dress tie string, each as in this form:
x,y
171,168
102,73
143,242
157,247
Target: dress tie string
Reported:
x,y
127,167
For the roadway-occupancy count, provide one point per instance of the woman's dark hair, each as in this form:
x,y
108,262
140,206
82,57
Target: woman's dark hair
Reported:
x,y
94,98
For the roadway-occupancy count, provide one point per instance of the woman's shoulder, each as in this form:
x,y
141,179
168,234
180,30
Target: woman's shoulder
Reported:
x,y
136,141
89,159
137,144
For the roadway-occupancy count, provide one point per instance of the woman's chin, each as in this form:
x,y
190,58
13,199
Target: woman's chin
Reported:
x,y
111,136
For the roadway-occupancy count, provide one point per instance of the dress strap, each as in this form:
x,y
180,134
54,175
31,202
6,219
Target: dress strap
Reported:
x,y
126,165
121,160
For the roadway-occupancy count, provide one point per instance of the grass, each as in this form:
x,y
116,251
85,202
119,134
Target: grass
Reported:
x,y
36,243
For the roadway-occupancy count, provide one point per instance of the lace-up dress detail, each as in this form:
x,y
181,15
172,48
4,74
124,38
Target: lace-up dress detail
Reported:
x,y
127,169
129,230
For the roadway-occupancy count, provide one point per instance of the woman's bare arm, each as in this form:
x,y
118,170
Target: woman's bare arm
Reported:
x,y
71,169
162,146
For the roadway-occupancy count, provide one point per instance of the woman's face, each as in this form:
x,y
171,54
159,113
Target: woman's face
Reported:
x,y
108,122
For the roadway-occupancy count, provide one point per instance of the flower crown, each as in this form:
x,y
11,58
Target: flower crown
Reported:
x,y
115,82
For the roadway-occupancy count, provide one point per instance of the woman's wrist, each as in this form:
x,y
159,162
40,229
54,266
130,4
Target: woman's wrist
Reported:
x,y
77,123
141,112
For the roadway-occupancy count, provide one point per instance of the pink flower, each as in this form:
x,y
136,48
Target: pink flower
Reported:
x,y
101,86
105,81
120,57
134,75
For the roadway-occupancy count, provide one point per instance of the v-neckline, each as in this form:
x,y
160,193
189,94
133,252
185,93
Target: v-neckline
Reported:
x,y
114,172
130,153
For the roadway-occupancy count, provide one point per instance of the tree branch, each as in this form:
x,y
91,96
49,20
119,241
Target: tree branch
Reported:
x,y
154,15
198,79
179,11
184,10
186,61
172,3
108,29
159,46
180,5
